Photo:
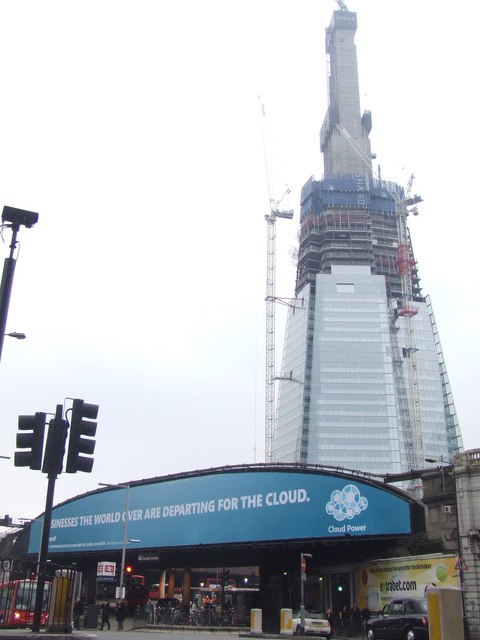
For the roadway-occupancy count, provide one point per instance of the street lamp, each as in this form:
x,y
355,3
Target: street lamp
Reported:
x,y
17,335
121,593
303,578
432,461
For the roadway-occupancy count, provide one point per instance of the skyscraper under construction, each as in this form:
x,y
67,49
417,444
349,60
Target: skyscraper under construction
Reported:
x,y
363,382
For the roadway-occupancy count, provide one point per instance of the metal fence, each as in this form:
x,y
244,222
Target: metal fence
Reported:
x,y
207,616
19,580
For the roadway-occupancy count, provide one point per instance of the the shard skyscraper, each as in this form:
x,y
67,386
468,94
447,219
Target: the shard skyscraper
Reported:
x,y
363,382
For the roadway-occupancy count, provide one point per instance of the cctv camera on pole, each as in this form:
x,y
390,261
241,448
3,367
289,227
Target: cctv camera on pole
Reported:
x,y
12,218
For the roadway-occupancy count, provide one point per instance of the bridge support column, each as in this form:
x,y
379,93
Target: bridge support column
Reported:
x,y
187,583
161,584
171,583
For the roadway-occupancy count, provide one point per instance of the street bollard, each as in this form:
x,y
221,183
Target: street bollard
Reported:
x,y
286,622
256,621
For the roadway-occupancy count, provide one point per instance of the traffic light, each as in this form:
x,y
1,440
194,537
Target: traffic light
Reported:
x,y
82,430
341,585
225,574
32,441
55,449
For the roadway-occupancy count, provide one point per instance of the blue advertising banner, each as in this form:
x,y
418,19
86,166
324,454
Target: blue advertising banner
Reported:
x,y
226,507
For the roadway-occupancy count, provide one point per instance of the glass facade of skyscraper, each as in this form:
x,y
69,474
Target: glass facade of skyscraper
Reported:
x,y
338,401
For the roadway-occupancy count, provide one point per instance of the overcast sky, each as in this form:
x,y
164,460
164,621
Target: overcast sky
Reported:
x,y
133,128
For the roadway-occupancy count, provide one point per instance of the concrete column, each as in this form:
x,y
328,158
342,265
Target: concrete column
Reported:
x,y
171,583
161,584
187,582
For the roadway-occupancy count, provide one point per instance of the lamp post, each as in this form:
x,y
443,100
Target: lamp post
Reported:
x,y
303,579
121,593
13,218
432,461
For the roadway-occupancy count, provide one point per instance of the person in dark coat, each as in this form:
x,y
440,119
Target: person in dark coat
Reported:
x,y
105,615
356,617
77,612
365,617
333,622
121,613
344,616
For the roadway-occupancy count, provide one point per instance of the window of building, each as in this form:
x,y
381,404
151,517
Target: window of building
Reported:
x,y
345,287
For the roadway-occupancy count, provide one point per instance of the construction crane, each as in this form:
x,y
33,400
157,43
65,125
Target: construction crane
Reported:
x,y
270,299
408,311
404,204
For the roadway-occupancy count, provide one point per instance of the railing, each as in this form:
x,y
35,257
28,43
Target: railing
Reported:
x,y
18,589
209,616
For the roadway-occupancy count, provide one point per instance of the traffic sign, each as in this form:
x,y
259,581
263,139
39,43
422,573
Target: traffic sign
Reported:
x,y
303,569
461,564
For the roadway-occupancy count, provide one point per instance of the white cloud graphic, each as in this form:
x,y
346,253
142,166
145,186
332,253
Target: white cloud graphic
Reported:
x,y
346,504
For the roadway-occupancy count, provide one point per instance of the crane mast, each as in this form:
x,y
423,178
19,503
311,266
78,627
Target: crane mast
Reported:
x,y
270,338
408,311
270,299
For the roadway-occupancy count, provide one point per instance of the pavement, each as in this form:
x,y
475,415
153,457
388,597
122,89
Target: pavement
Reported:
x,y
130,624
139,625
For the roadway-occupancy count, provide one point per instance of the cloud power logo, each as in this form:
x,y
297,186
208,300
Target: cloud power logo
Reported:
x,y
345,504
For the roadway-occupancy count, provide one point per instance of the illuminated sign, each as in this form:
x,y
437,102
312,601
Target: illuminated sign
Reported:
x,y
106,570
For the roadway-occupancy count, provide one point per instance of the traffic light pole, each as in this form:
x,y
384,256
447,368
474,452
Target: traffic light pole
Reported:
x,y
81,426
303,579
47,520
124,545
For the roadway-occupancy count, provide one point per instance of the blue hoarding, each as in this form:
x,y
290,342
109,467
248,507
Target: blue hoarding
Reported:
x,y
226,507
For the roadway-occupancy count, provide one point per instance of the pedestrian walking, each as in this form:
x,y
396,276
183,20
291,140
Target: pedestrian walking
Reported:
x,y
105,615
333,622
77,612
344,616
121,613
149,611
356,618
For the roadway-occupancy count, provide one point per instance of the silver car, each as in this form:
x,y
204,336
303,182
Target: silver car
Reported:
x,y
316,624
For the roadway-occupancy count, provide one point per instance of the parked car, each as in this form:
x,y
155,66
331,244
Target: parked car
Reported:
x,y
400,619
167,603
316,624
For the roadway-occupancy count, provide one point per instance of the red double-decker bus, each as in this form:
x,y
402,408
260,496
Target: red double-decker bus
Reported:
x,y
136,592
17,603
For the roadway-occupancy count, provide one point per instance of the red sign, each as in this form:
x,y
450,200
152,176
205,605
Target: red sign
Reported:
x,y
106,569
461,564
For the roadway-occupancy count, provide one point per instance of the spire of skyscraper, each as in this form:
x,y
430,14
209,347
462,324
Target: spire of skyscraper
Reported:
x,y
344,102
